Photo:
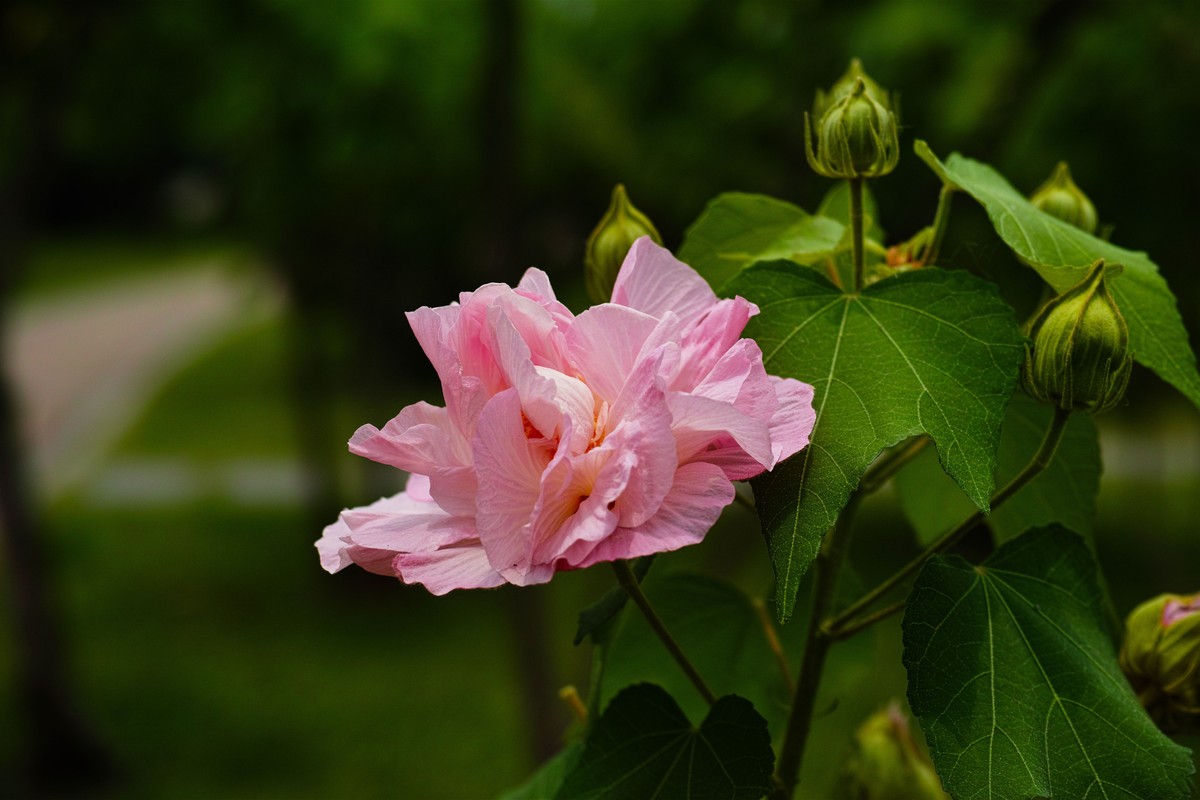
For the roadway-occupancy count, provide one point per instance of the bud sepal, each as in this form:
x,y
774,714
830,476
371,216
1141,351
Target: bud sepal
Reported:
x,y
621,226
1161,658
886,764
856,137
1061,197
1080,357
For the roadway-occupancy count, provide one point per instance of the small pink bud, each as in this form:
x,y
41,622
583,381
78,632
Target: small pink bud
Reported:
x,y
1161,659
1178,608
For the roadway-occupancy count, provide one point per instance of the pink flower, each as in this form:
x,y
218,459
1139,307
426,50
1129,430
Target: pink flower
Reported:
x,y
570,440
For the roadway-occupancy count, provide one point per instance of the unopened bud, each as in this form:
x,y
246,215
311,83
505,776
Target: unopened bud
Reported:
x,y
1080,357
886,764
857,137
1061,197
619,228
845,84
1161,658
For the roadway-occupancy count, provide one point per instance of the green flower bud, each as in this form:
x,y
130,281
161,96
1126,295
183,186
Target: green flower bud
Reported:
x,y
885,763
857,137
1080,357
619,228
845,84
1061,197
1161,658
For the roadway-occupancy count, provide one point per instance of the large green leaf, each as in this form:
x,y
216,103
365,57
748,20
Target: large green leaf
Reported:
x,y
736,230
929,351
1061,254
1064,492
719,628
644,748
1016,683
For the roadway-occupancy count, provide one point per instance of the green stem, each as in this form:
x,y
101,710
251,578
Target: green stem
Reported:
x,y
804,699
865,621
631,586
856,230
837,626
941,219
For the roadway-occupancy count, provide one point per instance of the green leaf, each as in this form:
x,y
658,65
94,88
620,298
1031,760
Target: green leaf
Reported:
x,y
721,631
1064,492
545,783
1062,253
643,746
736,230
593,620
928,351
1016,682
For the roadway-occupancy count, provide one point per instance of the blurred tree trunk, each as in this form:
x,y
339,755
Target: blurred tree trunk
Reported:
x,y
41,48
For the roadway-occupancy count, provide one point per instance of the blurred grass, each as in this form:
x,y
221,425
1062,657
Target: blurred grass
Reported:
x,y
219,661
230,403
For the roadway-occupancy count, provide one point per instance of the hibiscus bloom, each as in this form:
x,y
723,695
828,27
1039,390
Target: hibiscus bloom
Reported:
x,y
570,440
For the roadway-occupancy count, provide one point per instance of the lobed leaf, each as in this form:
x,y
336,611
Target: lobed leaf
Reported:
x,y
1016,684
736,230
929,351
643,747
1064,492
1062,253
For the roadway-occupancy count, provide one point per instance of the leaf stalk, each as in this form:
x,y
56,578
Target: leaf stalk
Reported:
x,y
856,230
631,586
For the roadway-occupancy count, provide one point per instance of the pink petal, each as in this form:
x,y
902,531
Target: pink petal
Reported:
x,y
641,423
441,571
792,423
547,396
577,493
654,281
700,492
605,342
437,331
735,462
509,468
536,284
422,440
338,550
698,421
418,439
709,338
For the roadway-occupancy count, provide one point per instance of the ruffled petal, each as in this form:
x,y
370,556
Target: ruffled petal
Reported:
x,y
709,339
420,438
604,343
509,468
655,282
461,567
696,499
793,421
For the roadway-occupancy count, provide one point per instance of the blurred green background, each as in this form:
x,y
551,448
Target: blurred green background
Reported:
x,y
213,214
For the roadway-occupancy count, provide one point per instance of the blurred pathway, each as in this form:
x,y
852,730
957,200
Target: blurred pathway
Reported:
x,y
85,363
